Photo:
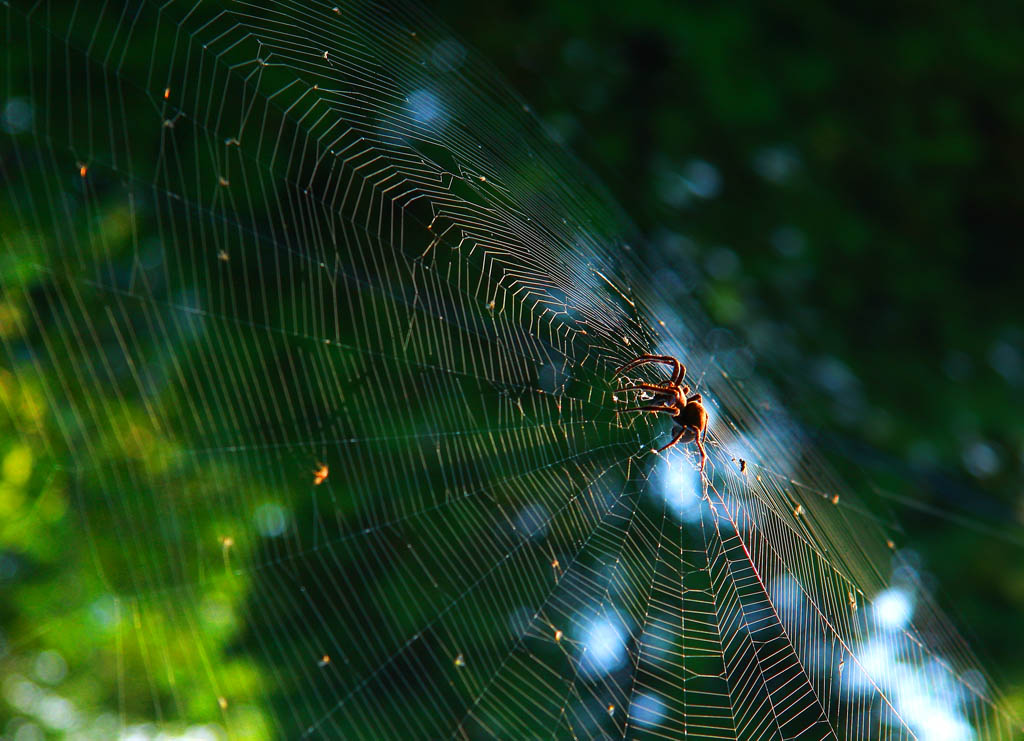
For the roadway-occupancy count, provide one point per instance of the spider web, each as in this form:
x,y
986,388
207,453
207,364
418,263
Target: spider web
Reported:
x,y
243,242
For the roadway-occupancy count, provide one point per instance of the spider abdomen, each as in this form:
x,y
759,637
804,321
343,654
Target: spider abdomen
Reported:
x,y
691,416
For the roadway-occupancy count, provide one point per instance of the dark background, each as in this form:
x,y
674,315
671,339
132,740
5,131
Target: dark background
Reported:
x,y
843,188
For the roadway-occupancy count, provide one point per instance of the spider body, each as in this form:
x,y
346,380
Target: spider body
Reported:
x,y
689,418
692,418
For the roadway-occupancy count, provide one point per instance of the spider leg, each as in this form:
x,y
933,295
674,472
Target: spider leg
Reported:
x,y
678,370
649,408
643,359
677,377
696,397
651,387
703,455
675,439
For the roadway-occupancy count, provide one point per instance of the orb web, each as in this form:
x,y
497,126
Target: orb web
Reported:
x,y
316,327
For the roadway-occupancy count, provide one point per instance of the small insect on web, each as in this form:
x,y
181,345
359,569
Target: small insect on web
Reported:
x,y
320,473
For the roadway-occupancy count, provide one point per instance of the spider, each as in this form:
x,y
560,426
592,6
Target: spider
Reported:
x,y
688,413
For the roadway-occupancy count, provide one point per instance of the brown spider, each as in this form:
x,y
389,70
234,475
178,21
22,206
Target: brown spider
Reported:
x,y
688,413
